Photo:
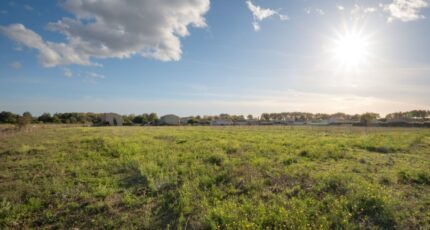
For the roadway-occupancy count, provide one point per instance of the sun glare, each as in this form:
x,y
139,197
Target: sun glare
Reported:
x,y
350,50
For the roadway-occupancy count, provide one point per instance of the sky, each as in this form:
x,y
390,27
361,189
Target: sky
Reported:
x,y
191,57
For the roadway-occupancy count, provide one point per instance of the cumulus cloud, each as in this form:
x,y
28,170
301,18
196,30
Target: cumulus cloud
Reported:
x,y
405,10
15,65
260,14
50,54
115,29
340,7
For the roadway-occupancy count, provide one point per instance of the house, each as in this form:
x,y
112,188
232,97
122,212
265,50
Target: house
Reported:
x,y
340,120
266,123
253,122
112,119
319,122
241,122
221,122
169,119
279,122
299,122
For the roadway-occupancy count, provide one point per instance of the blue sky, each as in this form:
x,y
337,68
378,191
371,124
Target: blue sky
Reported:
x,y
199,57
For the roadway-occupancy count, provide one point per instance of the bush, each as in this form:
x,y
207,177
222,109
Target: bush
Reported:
x,y
422,178
216,159
371,210
24,121
336,185
289,161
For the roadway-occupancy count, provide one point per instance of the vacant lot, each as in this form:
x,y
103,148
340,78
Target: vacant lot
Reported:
x,y
215,177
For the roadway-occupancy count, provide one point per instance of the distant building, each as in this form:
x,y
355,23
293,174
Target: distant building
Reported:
x,y
299,122
112,119
340,120
319,122
253,122
169,119
399,121
221,122
241,122
266,122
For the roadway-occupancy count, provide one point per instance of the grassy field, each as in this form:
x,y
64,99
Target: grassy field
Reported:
x,y
215,177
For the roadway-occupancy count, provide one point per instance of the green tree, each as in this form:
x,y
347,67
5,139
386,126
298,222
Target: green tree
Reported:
x,y
152,117
8,117
45,118
265,117
367,118
24,120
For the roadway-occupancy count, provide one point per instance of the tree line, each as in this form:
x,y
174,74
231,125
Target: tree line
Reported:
x,y
152,118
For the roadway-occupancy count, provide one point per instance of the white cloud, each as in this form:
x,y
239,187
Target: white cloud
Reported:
x,y
360,10
370,10
47,55
115,29
315,10
15,65
95,75
260,14
68,73
405,10
340,7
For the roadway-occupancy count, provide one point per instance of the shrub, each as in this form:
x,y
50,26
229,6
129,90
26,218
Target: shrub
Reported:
x,y
379,149
216,159
336,185
289,161
422,178
385,180
371,210
304,153
23,121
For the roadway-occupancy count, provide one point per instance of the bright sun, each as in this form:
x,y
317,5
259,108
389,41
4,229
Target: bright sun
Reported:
x,y
350,50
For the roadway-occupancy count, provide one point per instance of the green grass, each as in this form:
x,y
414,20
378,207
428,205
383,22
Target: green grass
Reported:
x,y
215,177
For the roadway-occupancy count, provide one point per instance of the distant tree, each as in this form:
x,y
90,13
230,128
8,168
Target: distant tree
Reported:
x,y
367,118
45,118
418,113
193,121
265,117
225,116
128,119
145,118
73,120
82,118
237,117
137,119
24,120
152,117
249,117
355,117
8,117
